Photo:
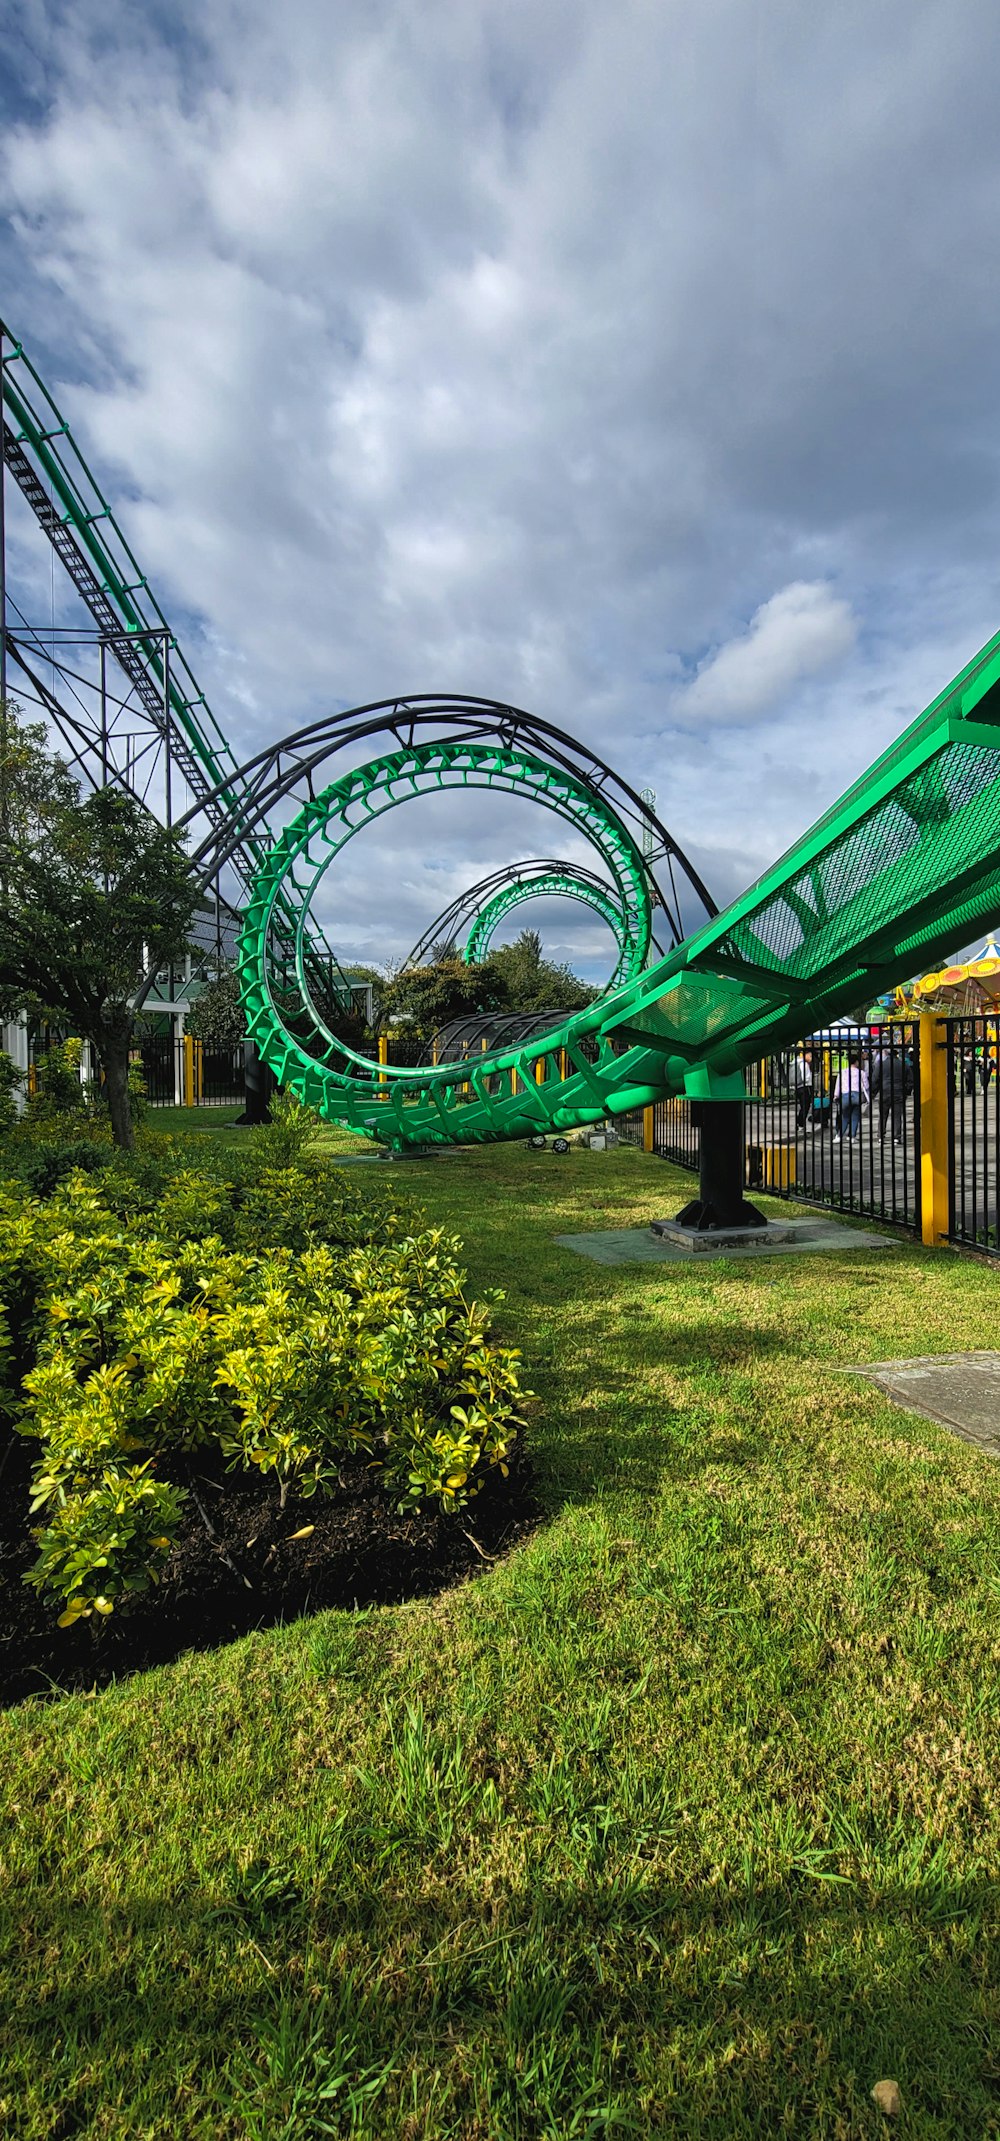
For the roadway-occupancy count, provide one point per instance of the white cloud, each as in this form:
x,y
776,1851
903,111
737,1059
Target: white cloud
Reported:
x,y
518,348
802,629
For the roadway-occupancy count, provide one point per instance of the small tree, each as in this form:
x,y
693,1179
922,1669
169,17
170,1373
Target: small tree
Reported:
x,y
91,889
515,977
426,998
217,1017
534,983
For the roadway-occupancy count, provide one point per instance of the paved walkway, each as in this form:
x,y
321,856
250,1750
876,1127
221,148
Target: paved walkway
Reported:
x,y
958,1390
636,1245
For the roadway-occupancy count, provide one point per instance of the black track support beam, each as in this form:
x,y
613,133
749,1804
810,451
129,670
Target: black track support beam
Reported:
x,y
720,1202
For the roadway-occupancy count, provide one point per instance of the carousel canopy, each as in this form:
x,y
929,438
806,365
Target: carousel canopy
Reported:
x,y
966,989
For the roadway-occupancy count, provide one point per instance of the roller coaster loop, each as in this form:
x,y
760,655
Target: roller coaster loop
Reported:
x,y
904,865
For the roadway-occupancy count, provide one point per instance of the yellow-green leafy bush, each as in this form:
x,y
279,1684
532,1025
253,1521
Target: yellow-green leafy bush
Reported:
x,y
130,1338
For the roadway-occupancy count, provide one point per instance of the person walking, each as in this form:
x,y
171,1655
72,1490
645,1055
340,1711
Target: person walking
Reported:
x,y
891,1082
851,1090
804,1087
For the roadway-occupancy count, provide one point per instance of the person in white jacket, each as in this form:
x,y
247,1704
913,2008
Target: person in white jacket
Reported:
x,y
851,1090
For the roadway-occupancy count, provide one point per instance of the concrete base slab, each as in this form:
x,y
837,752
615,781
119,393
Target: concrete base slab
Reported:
x,y
958,1390
713,1241
420,1152
639,1245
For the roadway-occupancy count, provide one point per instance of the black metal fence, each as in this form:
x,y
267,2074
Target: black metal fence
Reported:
x,y
674,1134
406,1052
973,1046
837,1121
219,1078
162,1063
188,1074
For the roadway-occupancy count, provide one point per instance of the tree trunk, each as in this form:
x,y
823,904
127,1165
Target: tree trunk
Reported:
x,y
113,1050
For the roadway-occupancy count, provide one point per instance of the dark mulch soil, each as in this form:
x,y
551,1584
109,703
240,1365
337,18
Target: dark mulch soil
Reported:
x,y
237,1567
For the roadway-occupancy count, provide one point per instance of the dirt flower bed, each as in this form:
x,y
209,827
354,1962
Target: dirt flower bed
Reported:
x,y
241,1563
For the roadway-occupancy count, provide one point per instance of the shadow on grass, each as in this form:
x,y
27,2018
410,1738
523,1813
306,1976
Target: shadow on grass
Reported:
x,y
595,1421
735,2009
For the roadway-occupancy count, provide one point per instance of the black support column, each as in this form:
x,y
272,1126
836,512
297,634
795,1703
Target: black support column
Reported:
x,y
720,1201
259,1084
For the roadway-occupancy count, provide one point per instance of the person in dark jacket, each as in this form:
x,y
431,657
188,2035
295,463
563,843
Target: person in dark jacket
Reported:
x,y
891,1082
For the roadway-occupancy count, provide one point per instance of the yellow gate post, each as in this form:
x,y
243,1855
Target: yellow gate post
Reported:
x,y
188,1072
647,1129
383,1056
935,1102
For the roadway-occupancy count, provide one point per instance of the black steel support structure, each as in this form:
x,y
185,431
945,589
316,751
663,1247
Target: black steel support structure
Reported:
x,y
259,1084
720,1202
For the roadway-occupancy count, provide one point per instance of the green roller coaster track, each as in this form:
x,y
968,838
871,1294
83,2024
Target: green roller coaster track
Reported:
x,y
557,884
903,866
41,453
908,859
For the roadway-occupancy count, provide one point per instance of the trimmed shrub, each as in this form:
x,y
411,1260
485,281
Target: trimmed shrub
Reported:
x,y
43,1162
144,1314
11,1082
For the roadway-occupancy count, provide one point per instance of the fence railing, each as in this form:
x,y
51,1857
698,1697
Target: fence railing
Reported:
x,y
973,1082
665,1129
835,1122
186,1074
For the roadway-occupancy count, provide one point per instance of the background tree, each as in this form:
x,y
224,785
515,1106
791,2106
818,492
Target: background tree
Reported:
x,y
217,1017
534,983
425,998
513,978
90,890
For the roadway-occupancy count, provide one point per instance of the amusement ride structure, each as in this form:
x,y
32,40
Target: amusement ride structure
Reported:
x,y
903,865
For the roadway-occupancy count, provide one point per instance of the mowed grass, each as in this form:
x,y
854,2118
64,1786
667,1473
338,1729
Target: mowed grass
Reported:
x,y
682,1820
222,1124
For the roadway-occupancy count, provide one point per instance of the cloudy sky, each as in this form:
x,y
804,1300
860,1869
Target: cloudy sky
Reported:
x,y
634,362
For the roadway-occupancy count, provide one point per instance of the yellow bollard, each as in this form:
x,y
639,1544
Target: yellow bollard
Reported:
x,y
187,1086
779,1166
935,1101
647,1129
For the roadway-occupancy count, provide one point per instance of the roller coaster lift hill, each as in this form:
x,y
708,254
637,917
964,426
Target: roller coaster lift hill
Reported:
x,y
905,863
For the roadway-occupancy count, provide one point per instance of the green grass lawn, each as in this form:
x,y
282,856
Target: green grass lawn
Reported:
x,y
224,1123
684,1820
